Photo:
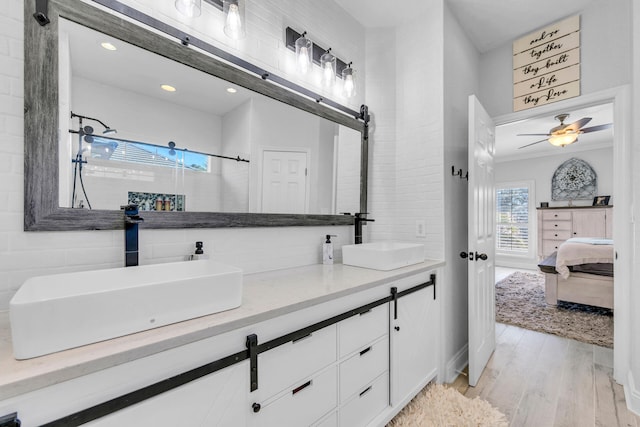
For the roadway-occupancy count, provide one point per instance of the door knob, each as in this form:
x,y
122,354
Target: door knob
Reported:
x,y
483,257
463,254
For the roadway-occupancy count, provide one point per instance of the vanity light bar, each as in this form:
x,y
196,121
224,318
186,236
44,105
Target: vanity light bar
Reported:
x,y
186,39
292,35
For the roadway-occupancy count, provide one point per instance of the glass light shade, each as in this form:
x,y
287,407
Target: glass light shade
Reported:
x,y
349,82
328,66
189,8
304,48
562,140
234,19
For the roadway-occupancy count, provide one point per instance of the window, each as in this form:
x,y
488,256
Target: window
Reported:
x,y
512,219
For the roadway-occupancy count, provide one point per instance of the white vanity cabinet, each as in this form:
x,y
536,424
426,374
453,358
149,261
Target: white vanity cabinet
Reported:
x,y
414,339
353,360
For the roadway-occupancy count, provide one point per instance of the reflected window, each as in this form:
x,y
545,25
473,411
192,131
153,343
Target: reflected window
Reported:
x,y
147,154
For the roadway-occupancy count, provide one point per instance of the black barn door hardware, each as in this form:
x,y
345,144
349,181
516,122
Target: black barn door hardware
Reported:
x,y
42,16
394,298
252,345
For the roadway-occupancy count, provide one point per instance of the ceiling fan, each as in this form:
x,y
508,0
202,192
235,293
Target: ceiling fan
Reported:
x,y
562,134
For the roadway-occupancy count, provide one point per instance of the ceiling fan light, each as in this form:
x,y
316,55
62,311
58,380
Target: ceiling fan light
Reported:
x,y
564,139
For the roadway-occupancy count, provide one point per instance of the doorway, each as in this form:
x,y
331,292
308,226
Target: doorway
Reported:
x,y
619,98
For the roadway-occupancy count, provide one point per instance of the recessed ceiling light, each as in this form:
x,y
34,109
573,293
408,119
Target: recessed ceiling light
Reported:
x,y
168,88
231,90
108,46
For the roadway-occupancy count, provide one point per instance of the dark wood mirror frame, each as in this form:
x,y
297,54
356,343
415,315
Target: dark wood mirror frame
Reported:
x,y
41,205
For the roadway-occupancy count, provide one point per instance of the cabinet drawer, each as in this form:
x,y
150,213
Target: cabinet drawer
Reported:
x,y
286,365
357,331
361,368
559,215
556,225
367,403
556,234
302,405
550,246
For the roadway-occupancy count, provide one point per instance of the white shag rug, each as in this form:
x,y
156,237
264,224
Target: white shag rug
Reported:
x,y
440,406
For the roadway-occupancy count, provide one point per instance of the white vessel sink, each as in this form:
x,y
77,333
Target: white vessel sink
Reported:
x,y
58,312
383,255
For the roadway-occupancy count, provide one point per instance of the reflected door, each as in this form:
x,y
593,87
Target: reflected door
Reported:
x,y
284,182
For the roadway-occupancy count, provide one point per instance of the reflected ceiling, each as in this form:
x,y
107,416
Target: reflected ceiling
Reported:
x,y
194,89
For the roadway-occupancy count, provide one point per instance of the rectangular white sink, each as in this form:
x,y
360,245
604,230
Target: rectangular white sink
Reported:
x,y
383,255
62,311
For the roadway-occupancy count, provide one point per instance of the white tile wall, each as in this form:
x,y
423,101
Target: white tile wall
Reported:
x,y
381,71
24,255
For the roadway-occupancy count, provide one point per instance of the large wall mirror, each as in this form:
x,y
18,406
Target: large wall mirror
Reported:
x,y
117,114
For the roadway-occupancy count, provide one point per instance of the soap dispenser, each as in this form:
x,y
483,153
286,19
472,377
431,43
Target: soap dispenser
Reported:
x,y
327,250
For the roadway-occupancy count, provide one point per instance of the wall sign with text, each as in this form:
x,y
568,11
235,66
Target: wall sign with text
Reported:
x,y
546,65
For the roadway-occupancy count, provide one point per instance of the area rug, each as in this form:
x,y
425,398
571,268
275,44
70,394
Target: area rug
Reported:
x,y
440,406
520,302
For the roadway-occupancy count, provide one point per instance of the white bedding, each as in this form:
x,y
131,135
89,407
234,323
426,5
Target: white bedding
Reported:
x,y
578,251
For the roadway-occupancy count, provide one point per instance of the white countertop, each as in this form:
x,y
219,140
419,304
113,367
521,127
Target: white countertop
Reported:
x,y
265,296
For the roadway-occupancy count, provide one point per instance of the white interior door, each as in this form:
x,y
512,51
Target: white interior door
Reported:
x,y
481,239
284,182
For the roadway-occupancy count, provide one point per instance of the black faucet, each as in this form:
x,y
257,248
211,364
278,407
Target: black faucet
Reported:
x,y
131,221
359,219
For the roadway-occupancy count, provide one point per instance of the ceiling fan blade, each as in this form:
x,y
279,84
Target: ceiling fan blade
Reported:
x,y
533,143
575,126
596,128
533,134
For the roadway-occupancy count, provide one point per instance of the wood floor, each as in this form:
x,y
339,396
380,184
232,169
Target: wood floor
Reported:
x,y
541,380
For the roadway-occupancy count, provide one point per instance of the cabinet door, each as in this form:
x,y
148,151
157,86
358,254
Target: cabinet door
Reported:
x,y
414,343
589,223
218,399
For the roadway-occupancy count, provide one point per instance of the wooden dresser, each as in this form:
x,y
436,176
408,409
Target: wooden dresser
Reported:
x,y
555,225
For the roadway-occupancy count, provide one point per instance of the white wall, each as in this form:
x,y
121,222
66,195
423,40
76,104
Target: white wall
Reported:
x,y
461,62
604,56
381,75
24,255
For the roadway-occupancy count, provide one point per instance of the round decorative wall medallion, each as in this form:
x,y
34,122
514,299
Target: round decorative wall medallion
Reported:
x,y
574,180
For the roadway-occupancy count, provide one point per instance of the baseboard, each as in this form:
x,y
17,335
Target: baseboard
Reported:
x,y
456,364
632,395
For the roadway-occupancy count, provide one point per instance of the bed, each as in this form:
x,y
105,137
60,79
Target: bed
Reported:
x,y
581,271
